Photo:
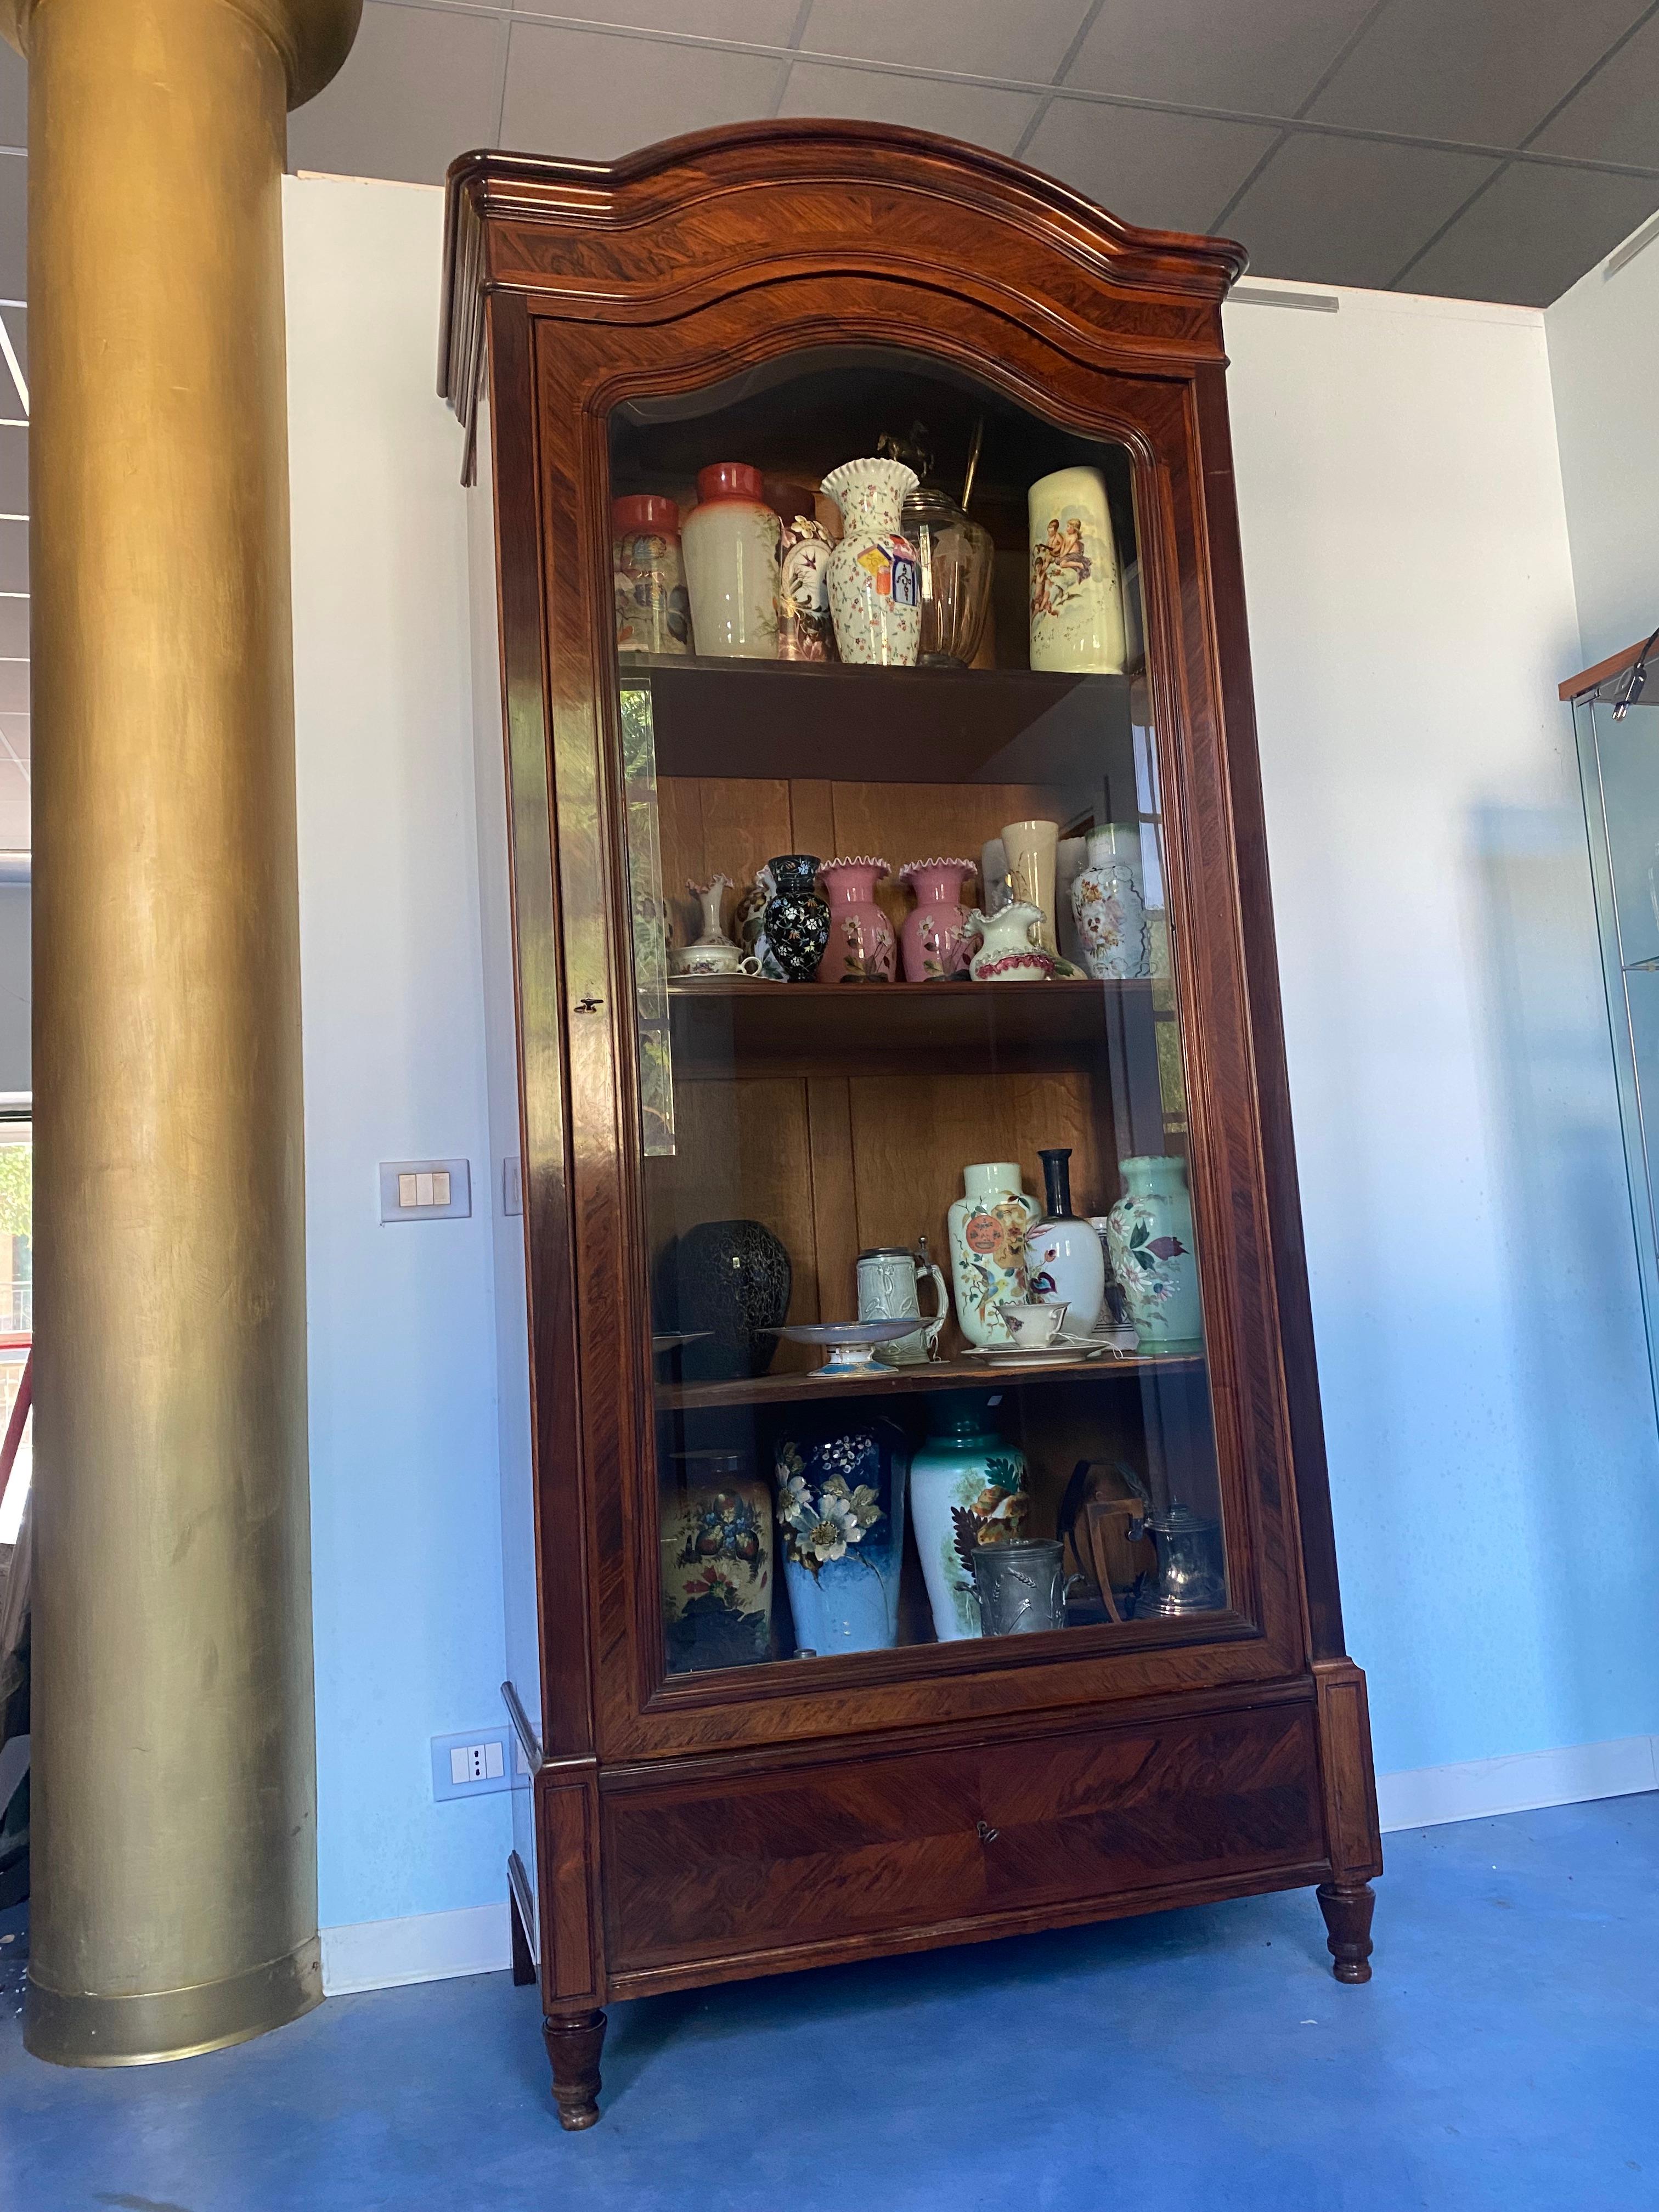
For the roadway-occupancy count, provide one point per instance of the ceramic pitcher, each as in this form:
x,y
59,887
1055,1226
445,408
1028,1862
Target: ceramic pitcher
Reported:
x,y
890,1282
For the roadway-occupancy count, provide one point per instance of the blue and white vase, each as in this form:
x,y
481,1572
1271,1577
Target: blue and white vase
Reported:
x,y
968,1487
1149,1235
839,1504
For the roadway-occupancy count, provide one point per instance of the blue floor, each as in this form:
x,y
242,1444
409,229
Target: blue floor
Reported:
x,y
1506,2056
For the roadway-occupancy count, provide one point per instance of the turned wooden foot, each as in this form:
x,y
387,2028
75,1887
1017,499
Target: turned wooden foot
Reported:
x,y
572,2048
1347,1910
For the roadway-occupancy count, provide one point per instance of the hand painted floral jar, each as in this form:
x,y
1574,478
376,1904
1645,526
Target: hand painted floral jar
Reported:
x,y
934,936
797,916
1007,951
730,543
861,946
1076,596
1107,906
875,583
717,1559
987,1229
968,1487
839,1504
654,610
805,631
1150,1236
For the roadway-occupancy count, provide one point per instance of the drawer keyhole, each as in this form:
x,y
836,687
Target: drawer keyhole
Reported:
x,y
987,1834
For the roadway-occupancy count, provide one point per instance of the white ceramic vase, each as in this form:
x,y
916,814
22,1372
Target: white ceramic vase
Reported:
x,y
1107,908
987,1229
1077,591
729,542
875,580
1065,1263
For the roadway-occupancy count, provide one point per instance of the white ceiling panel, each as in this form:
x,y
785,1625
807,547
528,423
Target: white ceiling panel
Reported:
x,y
761,22
983,37
13,557
1349,211
421,86
1532,234
580,93
14,737
1482,71
1262,55
14,471
973,112
14,97
15,628
14,808
1167,172
1616,116
14,687
14,228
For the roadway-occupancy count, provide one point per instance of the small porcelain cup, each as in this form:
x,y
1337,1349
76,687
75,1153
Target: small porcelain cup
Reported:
x,y
1033,1328
711,960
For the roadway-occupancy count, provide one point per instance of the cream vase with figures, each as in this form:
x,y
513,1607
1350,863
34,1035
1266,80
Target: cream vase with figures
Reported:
x,y
1077,594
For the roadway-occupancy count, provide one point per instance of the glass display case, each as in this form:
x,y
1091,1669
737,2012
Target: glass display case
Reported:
x,y
925,1514
1616,724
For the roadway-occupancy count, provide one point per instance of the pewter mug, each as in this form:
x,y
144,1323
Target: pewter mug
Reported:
x,y
890,1279
1192,1574
1021,1587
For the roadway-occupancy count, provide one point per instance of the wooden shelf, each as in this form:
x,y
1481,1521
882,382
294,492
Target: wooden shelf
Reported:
x,y
728,1021
907,1382
790,718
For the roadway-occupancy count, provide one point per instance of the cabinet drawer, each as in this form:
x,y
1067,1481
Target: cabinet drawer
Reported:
x,y
871,1843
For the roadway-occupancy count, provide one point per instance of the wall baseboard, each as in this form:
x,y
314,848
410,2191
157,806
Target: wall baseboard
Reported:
x,y
1518,1782
427,1947
431,1947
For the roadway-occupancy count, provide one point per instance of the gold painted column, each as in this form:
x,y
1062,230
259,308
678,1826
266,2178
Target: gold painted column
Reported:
x,y
173,1858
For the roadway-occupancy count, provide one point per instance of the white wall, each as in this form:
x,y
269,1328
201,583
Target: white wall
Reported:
x,y
405,1526
1492,1434
1604,362
1493,1457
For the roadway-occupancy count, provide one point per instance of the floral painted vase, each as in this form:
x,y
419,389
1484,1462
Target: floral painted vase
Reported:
x,y
1077,595
968,1487
987,1229
1108,908
797,916
717,1561
861,947
839,1504
730,541
749,924
805,631
1149,1235
875,580
654,610
1008,952
933,936
1064,1258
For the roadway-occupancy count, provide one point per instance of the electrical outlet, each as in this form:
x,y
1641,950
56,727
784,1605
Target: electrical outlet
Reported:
x,y
472,1764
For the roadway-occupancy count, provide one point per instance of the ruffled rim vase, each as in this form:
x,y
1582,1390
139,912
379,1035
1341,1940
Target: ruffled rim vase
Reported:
x,y
934,934
862,947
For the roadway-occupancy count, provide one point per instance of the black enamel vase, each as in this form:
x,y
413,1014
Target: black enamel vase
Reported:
x,y
797,916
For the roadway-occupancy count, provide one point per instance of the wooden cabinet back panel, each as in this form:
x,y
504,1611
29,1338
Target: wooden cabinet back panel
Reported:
x,y
861,1846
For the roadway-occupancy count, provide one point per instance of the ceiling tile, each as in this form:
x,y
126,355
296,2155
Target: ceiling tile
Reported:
x,y
15,628
1264,56
14,227
1532,234
1486,71
15,688
1168,172
581,94
14,97
1616,116
983,37
14,733
13,557
13,809
17,329
422,85
925,103
14,471
1349,211
762,22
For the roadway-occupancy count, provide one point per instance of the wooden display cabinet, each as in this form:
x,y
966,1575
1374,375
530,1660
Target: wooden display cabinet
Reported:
x,y
782,293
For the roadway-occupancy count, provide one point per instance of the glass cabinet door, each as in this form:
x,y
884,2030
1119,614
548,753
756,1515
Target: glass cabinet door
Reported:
x,y
928,1354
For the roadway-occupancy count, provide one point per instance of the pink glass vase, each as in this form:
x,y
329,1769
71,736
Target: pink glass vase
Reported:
x,y
934,934
862,948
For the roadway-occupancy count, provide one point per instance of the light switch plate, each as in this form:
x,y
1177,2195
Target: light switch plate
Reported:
x,y
420,1182
476,1763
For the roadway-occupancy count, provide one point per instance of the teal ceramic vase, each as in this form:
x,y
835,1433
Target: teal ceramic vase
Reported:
x,y
968,1485
1149,1233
